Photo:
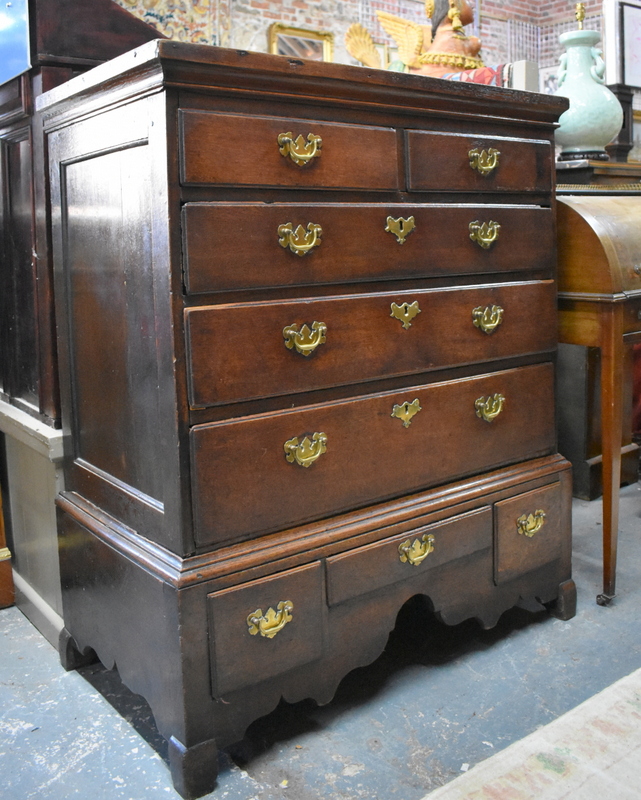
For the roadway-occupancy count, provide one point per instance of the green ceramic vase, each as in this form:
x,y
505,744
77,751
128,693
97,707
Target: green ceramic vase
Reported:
x,y
595,115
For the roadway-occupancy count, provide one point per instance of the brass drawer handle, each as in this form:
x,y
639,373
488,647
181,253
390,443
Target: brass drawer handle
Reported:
x,y
401,228
269,624
484,161
406,411
305,340
488,408
484,234
405,313
300,151
529,524
307,451
487,319
299,241
5,554
416,552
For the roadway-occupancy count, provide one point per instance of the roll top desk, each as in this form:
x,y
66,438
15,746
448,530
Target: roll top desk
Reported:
x,y
307,335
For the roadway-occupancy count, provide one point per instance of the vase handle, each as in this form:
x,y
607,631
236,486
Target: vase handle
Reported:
x,y
563,70
597,70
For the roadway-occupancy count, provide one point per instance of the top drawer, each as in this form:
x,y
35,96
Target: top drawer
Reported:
x,y
450,162
236,150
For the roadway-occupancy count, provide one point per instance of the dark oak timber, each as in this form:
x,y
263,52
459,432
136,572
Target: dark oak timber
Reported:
x,y
67,37
220,567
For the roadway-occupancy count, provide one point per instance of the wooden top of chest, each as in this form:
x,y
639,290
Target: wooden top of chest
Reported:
x,y
238,73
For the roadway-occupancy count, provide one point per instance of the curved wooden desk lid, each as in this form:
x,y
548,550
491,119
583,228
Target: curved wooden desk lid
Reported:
x,y
599,244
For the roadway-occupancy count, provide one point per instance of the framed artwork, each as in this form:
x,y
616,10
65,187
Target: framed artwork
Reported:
x,y
300,43
548,79
630,22
14,40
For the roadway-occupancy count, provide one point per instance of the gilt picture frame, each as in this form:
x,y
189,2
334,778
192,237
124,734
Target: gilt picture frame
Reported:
x,y
284,40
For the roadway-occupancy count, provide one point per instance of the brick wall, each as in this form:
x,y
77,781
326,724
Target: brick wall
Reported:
x,y
249,21
520,30
515,30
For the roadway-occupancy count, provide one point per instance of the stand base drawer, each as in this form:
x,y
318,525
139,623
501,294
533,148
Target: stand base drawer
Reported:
x,y
409,555
266,627
529,532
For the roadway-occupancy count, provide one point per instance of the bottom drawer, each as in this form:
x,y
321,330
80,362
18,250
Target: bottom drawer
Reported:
x,y
529,532
409,555
264,628
272,471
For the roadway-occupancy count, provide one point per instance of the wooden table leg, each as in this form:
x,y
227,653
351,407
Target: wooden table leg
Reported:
x,y
612,357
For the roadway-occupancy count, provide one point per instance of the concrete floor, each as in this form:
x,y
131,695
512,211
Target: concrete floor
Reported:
x,y
434,704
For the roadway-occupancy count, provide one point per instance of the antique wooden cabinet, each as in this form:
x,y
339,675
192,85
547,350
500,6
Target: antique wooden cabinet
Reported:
x,y
67,37
307,333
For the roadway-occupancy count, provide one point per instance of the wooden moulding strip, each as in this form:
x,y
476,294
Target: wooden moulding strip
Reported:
x,y
285,549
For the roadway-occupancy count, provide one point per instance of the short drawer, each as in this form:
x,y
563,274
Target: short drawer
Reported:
x,y
410,555
264,628
255,245
271,471
529,532
450,162
237,150
249,350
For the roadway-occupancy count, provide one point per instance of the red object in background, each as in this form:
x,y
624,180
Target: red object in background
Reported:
x,y
6,578
636,394
488,76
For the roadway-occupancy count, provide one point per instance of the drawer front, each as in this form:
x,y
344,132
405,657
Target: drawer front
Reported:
x,y
632,315
235,150
250,350
273,471
254,245
529,532
264,628
410,555
459,163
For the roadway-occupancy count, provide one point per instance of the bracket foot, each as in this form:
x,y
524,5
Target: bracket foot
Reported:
x,y
193,769
565,605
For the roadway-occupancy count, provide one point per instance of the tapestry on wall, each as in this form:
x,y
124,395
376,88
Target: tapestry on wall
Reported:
x,y
183,20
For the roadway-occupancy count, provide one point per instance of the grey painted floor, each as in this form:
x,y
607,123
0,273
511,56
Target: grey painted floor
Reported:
x,y
434,704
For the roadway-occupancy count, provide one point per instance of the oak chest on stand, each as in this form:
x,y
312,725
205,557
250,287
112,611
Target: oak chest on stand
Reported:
x,y
307,336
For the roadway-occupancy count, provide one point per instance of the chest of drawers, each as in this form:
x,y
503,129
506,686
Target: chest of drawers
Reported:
x,y
307,361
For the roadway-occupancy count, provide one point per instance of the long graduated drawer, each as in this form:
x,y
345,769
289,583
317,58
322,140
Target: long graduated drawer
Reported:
x,y
253,245
258,474
245,350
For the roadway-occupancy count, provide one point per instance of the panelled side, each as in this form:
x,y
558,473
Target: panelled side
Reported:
x,y
103,195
